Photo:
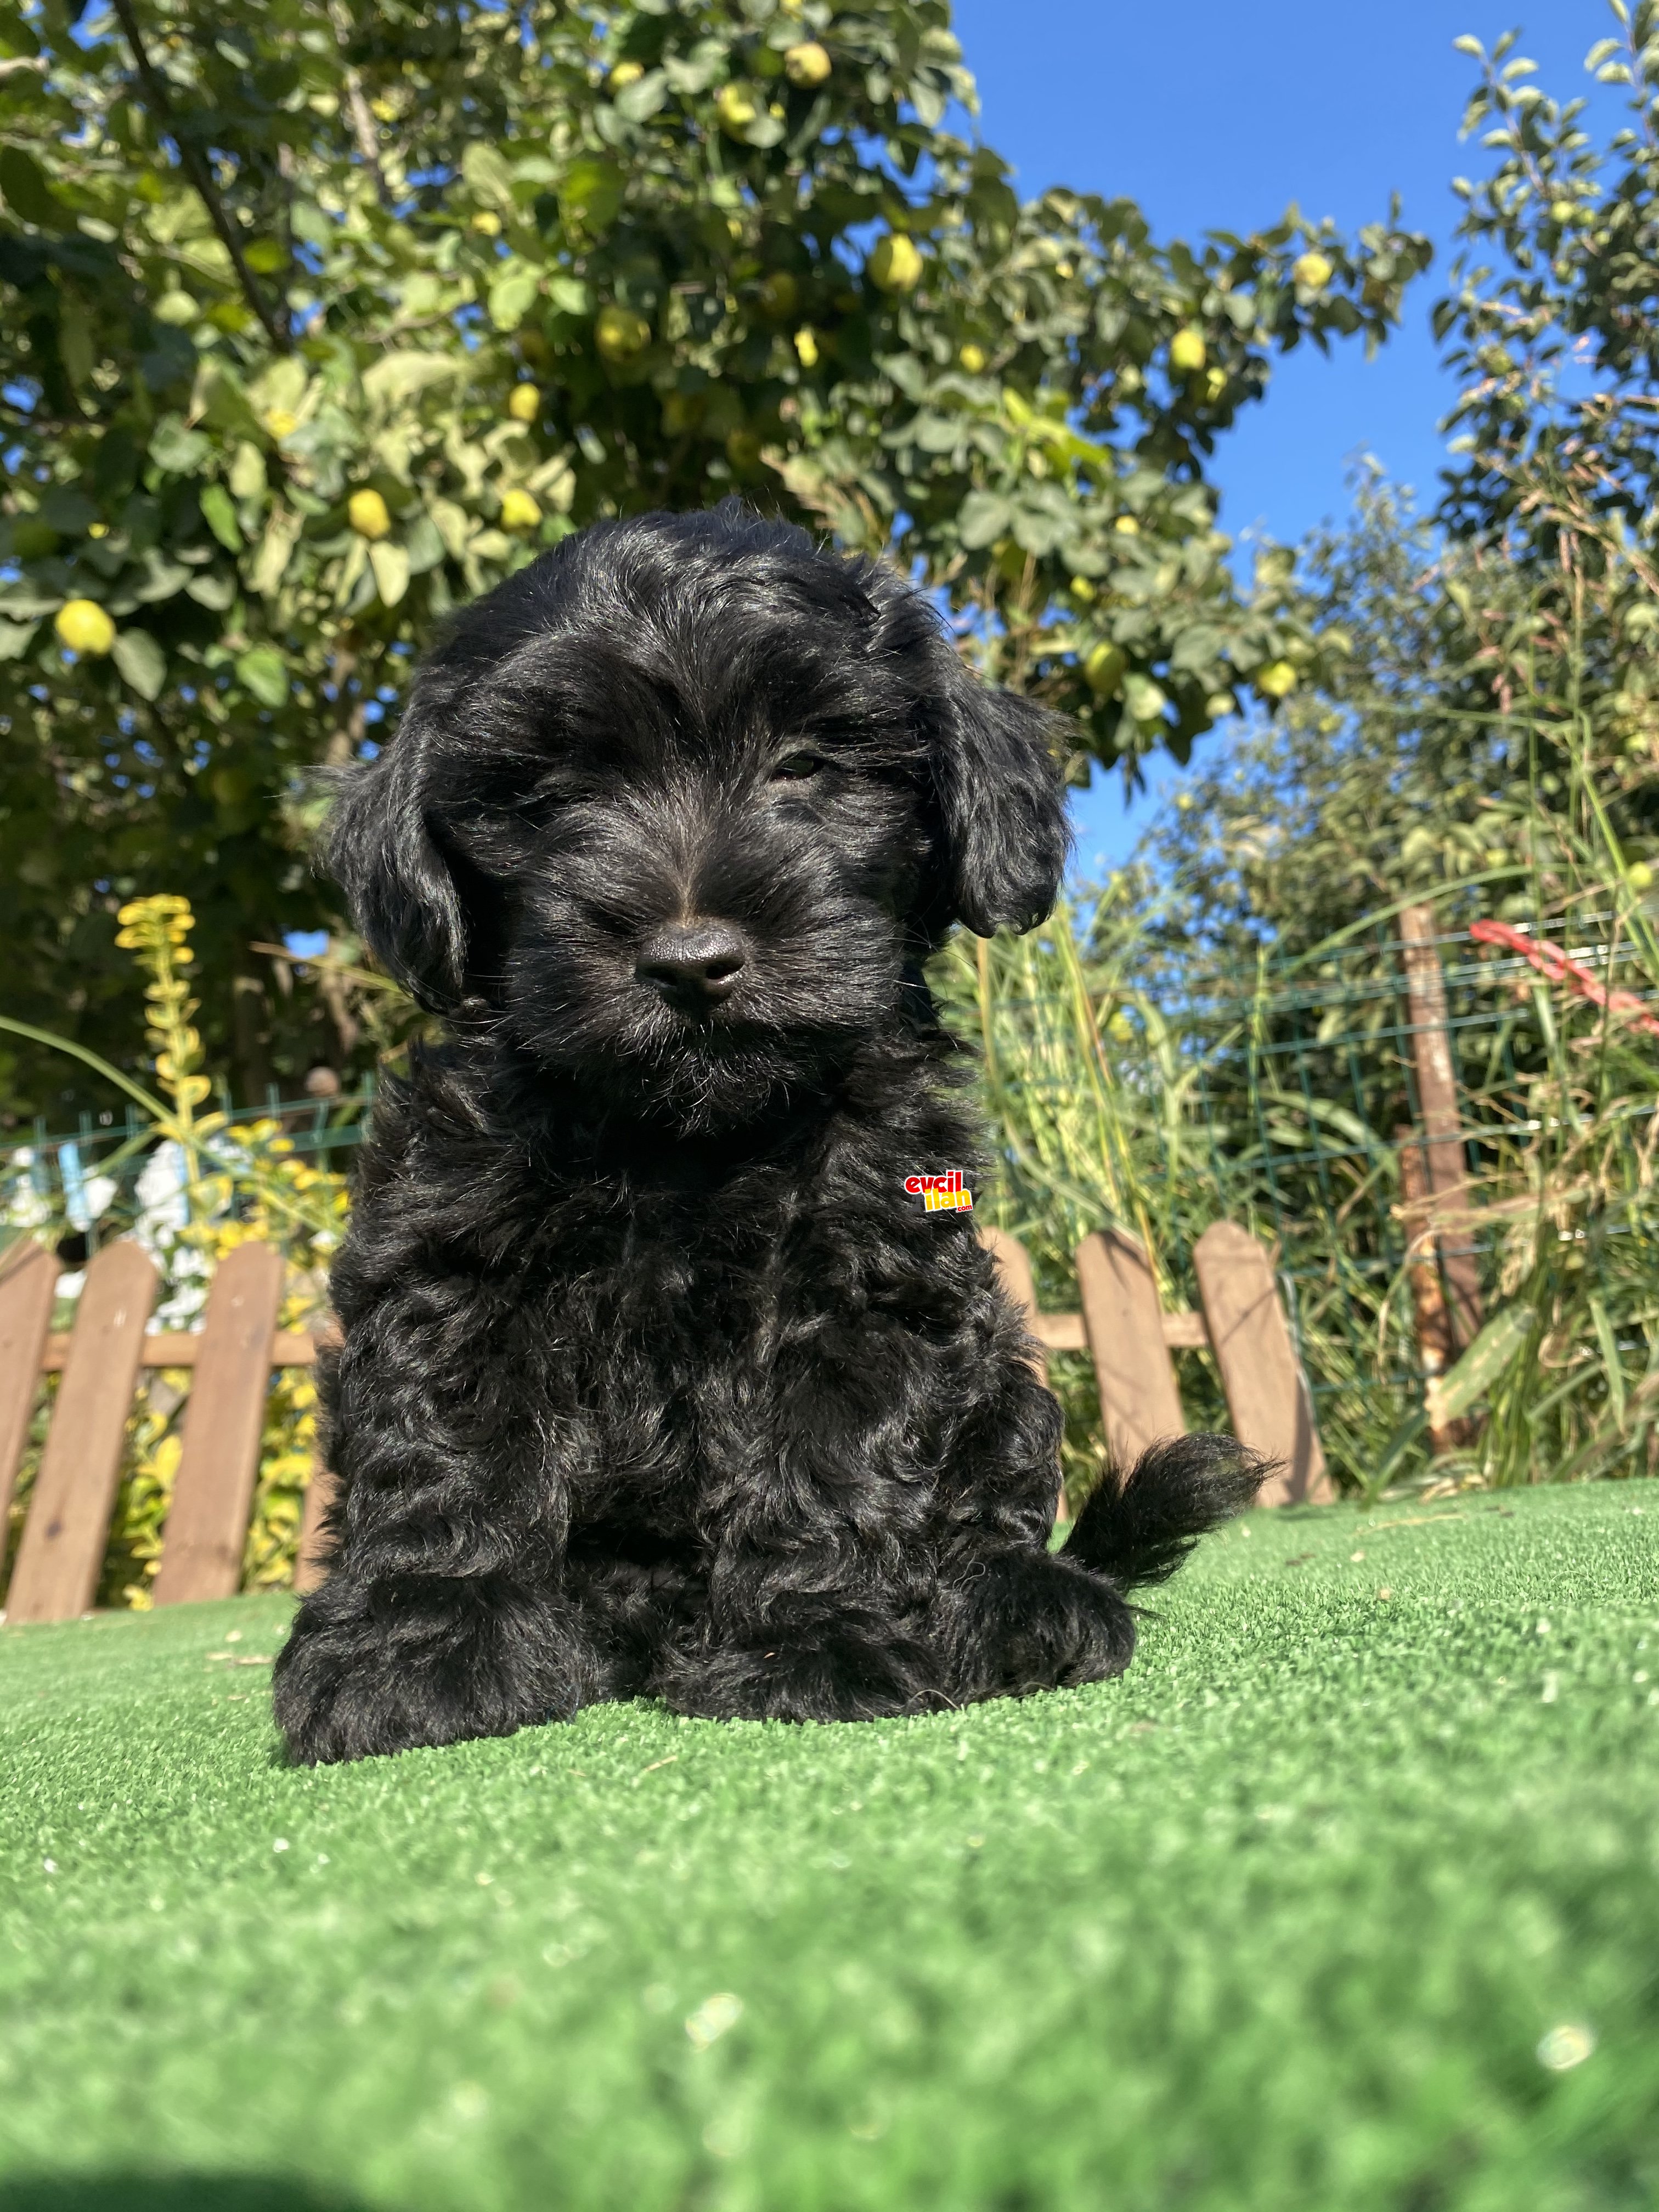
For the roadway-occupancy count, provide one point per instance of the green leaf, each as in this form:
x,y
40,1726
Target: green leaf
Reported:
x,y
644,97
1613,1365
983,518
265,673
391,565
213,589
15,638
181,452
592,194
398,376
26,193
142,663
488,175
275,548
1499,1344
424,545
220,514
513,295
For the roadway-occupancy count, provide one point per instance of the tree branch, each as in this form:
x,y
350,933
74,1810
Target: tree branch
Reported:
x,y
194,164
362,120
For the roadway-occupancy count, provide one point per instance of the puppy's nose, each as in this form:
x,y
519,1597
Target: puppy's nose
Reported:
x,y
696,961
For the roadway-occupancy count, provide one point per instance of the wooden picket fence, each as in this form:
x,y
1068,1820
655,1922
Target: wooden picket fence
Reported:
x,y
233,1356
1129,1338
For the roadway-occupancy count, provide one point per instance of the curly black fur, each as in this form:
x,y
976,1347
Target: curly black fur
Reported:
x,y
655,1380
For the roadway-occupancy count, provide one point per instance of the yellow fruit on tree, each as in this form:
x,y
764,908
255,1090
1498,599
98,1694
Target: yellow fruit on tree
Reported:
x,y
972,358
280,423
519,511
624,74
1276,681
1187,351
620,333
780,294
735,108
896,264
1312,271
524,402
1104,670
806,346
487,222
84,627
369,516
1639,878
1215,383
807,66
1126,527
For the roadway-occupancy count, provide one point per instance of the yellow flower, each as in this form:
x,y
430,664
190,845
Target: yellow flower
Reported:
x,y
519,511
807,347
1312,271
524,402
82,627
281,424
972,358
624,74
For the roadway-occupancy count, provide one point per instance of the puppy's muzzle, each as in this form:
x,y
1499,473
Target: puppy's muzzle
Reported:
x,y
694,964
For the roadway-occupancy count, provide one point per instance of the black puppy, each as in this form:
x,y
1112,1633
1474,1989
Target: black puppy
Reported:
x,y
656,1380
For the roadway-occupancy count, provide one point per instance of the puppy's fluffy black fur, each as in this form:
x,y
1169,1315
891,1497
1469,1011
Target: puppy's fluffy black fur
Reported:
x,y
655,1380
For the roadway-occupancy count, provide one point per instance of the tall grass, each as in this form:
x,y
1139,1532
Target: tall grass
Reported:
x,y
1123,1088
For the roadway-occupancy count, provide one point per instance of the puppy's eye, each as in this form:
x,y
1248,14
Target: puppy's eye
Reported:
x,y
796,767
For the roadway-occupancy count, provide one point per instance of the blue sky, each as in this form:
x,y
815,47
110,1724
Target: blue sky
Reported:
x,y
1215,116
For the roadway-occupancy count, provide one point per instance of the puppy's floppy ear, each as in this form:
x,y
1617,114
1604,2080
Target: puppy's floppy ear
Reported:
x,y
1000,800
380,849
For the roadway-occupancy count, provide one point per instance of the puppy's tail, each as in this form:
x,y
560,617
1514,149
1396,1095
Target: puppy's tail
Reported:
x,y
1139,1528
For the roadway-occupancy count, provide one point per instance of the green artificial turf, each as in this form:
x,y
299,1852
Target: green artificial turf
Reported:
x,y
1283,1920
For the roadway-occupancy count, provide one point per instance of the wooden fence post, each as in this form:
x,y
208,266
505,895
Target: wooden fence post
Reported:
x,y
308,1568
1139,1400
27,1289
1267,1394
1436,1092
207,1521
64,1537
1437,1346
1013,1267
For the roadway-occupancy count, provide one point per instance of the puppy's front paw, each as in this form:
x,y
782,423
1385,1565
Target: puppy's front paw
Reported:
x,y
390,1667
823,1674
